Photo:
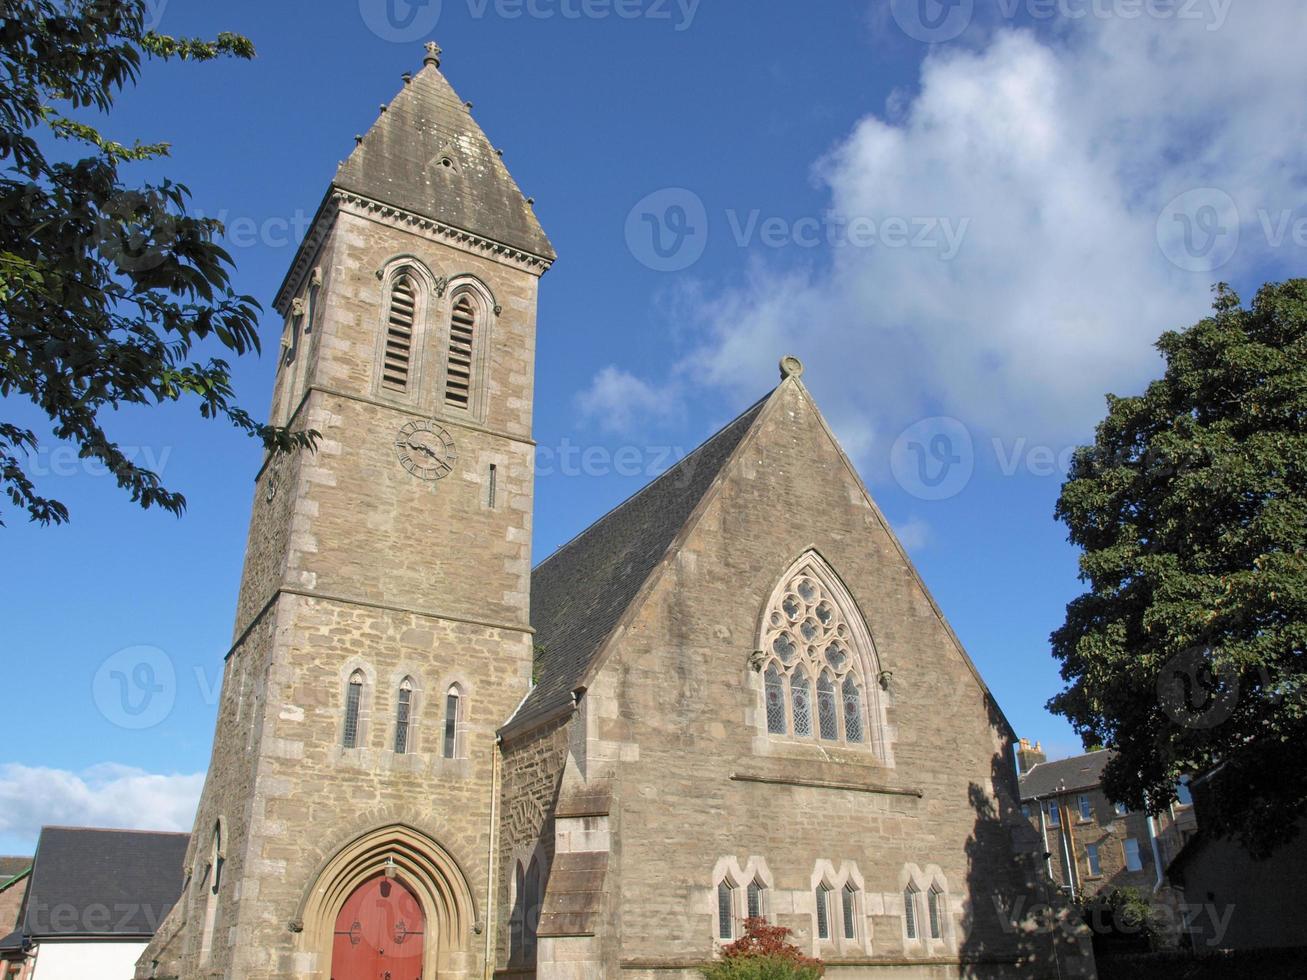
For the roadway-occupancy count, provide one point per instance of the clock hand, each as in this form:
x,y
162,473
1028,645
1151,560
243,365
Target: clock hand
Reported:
x,y
422,448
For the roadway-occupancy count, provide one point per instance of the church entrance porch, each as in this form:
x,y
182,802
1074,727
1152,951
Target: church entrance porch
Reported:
x,y
379,934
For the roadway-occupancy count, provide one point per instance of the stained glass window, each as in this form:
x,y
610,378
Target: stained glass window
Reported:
x,y
826,716
754,895
823,912
933,900
403,713
775,701
852,710
801,697
910,912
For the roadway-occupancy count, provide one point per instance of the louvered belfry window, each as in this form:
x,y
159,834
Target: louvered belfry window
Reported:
x,y
462,339
397,369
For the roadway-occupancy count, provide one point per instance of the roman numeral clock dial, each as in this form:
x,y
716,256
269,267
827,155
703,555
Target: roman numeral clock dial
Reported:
x,y
426,450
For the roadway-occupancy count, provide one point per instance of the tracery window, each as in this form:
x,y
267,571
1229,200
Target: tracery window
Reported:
x,y
814,636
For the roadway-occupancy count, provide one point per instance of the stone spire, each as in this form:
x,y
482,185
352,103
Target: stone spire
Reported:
x,y
426,154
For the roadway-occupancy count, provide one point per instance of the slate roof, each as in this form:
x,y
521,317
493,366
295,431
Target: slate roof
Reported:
x,y
579,593
1065,775
12,867
88,882
401,162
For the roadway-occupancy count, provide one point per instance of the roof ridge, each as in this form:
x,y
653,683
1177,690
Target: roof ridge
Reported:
x,y
113,830
650,485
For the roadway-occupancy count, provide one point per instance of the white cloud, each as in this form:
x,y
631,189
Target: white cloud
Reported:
x,y
107,795
1061,152
619,401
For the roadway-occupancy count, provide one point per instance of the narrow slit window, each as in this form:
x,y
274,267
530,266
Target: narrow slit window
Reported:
x,y
933,903
775,701
910,912
725,910
492,489
353,699
403,716
823,912
452,706
397,366
849,901
462,339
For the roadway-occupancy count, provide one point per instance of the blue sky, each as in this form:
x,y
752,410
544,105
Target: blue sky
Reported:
x,y
969,220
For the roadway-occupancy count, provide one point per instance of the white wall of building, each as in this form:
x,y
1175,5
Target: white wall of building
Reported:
x,y
87,959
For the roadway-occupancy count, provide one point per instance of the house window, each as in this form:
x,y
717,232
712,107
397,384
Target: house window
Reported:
x,y
1133,860
814,635
823,911
848,906
353,699
462,343
403,715
1086,807
725,910
453,705
1054,814
399,354
1025,810
910,912
1121,809
934,908
755,895
775,701
1091,859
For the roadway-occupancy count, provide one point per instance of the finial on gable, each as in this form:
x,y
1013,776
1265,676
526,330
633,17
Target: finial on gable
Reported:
x,y
433,54
791,367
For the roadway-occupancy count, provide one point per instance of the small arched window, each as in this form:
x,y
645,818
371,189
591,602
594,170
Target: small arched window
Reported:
x,y
775,701
353,703
910,912
823,911
725,910
826,715
460,366
849,910
934,909
214,886
453,708
400,353
404,716
756,899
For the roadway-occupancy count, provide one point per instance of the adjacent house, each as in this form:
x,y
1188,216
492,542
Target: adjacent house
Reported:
x,y
14,873
93,900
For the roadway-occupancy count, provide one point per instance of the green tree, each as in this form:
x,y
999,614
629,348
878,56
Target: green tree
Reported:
x,y
106,289
1186,654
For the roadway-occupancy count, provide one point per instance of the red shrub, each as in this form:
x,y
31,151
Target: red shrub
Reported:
x,y
761,939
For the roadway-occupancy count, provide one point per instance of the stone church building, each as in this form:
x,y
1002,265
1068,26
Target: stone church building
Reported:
x,y
730,697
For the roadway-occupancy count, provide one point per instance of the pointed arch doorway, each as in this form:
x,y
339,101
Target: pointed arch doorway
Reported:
x,y
380,933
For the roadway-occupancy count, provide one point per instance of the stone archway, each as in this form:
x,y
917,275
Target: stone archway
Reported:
x,y
424,870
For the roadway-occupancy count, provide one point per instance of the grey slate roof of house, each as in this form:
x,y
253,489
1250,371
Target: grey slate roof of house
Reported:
x,y
401,162
579,593
1065,775
88,882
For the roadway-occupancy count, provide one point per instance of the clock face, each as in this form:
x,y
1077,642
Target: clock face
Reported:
x,y
426,450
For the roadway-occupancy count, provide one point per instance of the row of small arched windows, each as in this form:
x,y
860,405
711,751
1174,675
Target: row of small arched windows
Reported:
x,y
402,742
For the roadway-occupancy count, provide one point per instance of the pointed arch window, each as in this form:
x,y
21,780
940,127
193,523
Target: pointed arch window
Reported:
x,y
823,911
461,357
353,704
404,716
400,354
756,899
935,911
725,910
214,882
453,710
910,912
849,910
776,721
821,654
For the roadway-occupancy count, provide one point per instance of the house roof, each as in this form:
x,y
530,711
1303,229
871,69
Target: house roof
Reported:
x,y
427,155
580,592
90,882
1065,775
12,867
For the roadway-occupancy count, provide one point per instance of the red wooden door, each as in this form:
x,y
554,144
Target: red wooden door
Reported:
x,y
379,934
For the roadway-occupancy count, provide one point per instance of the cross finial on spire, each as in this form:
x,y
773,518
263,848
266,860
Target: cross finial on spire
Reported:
x,y
433,54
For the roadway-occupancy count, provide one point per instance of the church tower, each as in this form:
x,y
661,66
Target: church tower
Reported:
x,y
382,630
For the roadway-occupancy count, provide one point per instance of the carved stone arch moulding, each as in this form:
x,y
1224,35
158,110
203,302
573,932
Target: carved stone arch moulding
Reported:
x,y
424,867
819,664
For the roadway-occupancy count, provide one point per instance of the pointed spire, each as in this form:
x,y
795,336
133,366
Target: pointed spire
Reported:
x,y
426,154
